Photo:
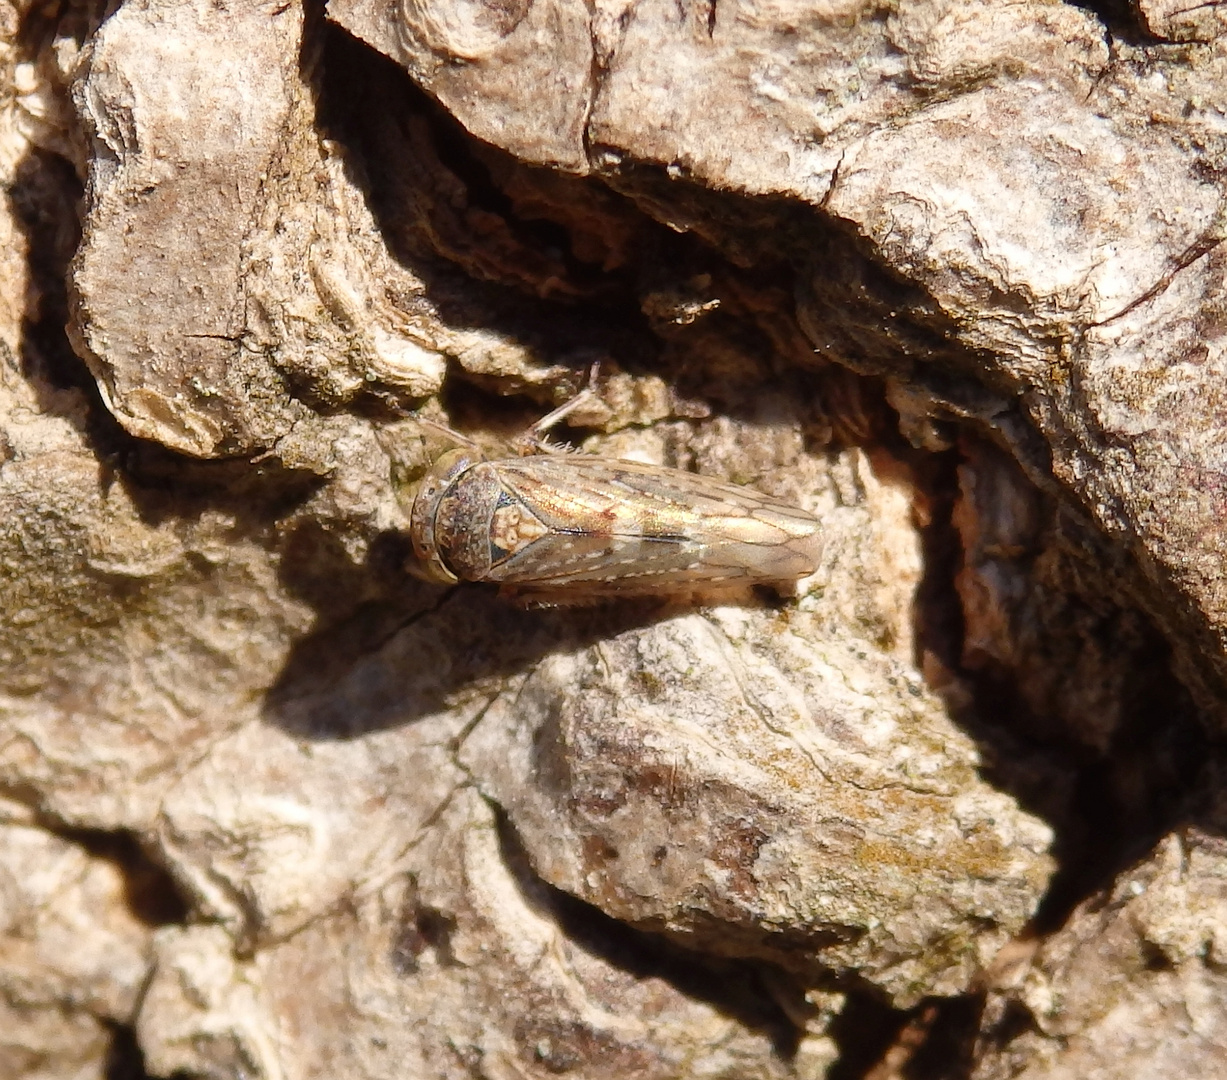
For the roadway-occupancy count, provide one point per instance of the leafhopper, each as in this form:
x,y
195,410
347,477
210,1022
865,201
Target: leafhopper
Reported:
x,y
563,528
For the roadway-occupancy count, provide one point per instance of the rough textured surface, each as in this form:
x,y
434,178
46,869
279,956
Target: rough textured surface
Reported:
x,y
462,52
451,964
946,275
1134,978
749,789
228,261
74,956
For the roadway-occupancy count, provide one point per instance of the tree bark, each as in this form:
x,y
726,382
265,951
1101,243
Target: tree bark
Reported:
x,y
948,276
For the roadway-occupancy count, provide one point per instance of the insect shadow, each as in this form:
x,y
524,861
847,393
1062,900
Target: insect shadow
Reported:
x,y
394,661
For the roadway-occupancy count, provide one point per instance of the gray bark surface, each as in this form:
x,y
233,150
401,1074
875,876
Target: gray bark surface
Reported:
x,y
949,276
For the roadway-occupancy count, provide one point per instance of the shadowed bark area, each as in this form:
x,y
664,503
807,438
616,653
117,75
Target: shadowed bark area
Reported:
x,y
948,277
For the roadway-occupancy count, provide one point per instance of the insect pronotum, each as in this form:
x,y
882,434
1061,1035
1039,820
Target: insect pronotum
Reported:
x,y
561,528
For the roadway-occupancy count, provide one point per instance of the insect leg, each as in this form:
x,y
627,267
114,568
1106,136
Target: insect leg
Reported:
x,y
535,436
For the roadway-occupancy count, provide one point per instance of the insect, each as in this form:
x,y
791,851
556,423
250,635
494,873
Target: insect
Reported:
x,y
562,528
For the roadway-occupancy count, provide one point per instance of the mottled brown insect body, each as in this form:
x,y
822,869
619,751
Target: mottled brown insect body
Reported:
x,y
569,527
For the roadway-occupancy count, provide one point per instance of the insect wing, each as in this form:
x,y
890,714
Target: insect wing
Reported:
x,y
646,528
